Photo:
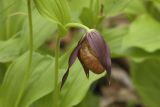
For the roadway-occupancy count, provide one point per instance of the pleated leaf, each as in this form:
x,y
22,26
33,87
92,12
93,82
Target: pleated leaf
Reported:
x,y
74,89
144,33
40,83
55,10
9,50
42,30
12,15
114,7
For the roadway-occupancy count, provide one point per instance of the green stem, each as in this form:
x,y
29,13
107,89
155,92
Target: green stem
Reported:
x,y
56,92
28,72
78,25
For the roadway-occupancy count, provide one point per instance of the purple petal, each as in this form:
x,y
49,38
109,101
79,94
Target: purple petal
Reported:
x,y
64,77
72,59
84,67
99,46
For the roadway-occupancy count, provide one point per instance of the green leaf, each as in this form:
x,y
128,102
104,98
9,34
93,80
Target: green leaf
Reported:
x,y
42,30
9,49
144,33
76,86
55,10
41,81
146,80
153,10
74,89
91,16
136,7
90,100
157,1
139,55
46,101
87,17
114,38
12,13
113,7
77,6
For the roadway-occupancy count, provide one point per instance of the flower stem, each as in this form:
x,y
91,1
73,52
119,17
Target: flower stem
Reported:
x,y
56,92
28,72
78,25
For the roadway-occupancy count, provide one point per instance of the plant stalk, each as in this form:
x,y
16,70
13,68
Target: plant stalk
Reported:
x,y
56,86
28,72
78,25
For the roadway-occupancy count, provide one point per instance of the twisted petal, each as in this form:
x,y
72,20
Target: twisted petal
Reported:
x,y
101,49
72,59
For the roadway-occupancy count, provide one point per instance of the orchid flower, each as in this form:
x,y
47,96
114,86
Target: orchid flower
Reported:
x,y
93,53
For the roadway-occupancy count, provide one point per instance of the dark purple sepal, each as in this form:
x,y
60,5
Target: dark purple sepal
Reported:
x,y
72,59
73,55
64,77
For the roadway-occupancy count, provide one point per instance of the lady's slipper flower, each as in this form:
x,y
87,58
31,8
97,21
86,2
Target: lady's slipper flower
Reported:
x,y
93,53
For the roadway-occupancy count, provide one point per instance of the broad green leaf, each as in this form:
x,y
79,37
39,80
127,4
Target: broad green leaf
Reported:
x,y
57,11
9,49
91,16
75,87
135,7
46,101
146,80
35,90
113,7
153,10
12,13
42,30
157,4
157,1
90,100
77,6
88,18
114,38
144,33
40,83
139,55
